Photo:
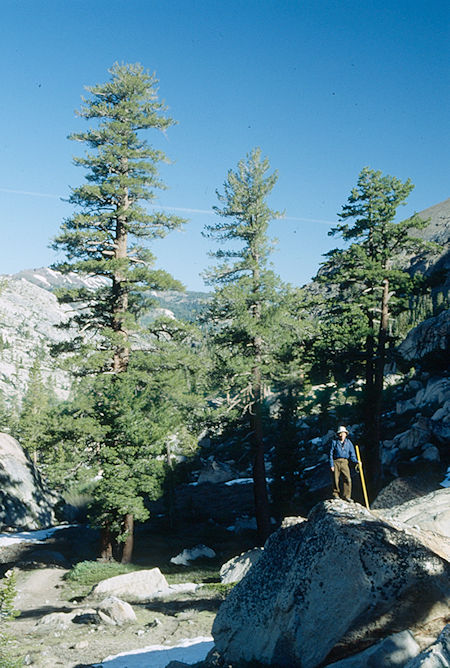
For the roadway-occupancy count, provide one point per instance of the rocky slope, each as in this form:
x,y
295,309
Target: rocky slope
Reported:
x,y
25,500
29,318
355,576
345,587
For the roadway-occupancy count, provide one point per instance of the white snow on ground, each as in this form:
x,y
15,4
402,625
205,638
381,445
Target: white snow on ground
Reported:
x,y
28,536
185,557
239,481
446,481
189,651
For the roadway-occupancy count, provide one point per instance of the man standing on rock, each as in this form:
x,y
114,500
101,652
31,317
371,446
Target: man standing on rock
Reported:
x,y
341,451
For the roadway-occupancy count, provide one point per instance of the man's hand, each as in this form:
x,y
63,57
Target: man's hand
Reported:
x,y
357,468
332,468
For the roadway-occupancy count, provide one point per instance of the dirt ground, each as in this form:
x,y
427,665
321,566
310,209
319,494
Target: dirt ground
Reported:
x,y
43,591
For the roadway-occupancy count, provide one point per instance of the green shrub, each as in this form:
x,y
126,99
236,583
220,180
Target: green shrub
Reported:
x,y
7,612
220,587
90,573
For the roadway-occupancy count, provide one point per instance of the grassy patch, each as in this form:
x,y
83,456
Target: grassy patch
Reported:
x,y
196,572
8,662
86,574
219,587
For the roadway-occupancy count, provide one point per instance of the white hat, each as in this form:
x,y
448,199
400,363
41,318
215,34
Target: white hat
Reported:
x,y
341,429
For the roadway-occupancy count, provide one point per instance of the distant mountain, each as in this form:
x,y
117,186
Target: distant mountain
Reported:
x,y
437,231
439,228
30,313
181,305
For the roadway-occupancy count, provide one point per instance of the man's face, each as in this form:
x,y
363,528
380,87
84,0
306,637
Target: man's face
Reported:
x,y
342,435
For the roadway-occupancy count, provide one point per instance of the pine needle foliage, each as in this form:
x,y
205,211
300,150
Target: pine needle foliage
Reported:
x,y
7,613
107,240
248,315
106,236
372,287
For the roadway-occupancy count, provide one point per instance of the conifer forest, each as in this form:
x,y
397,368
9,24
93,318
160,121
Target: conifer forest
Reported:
x,y
252,375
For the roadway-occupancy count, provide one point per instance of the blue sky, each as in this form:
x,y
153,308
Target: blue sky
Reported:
x,y
324,88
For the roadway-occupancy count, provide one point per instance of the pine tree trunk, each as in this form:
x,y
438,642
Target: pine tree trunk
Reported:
x,y
106,544
119,287
169,483
374,399
379,381
128,525
262,512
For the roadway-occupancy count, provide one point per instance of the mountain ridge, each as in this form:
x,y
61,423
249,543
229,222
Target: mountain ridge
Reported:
x,y
30,312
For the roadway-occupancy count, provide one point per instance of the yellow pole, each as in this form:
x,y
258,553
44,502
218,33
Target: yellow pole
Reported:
x,y
361,473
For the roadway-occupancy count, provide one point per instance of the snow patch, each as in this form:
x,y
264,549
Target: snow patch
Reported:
x,y
196,552
446,481
38,536
239,481
42,279
190,650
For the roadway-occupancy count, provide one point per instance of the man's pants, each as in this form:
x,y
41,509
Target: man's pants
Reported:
x,y
341,468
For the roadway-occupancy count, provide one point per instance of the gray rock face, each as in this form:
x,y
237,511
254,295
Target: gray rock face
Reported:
x,y
426,438
391,652
430,513
114,611
30,313
29,318
431,336
235,569
436,656
341,577
138,586
216,472
25,502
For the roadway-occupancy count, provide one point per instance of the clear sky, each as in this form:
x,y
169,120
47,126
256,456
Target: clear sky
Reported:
x,y
323,87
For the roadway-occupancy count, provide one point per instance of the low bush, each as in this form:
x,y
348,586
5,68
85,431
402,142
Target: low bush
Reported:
x,y
90,573
7,612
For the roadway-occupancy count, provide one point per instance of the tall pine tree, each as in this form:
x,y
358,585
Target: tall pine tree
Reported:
x,y
105,238
373,283
244,316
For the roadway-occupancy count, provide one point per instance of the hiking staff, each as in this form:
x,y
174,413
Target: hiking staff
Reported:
x,y
361,473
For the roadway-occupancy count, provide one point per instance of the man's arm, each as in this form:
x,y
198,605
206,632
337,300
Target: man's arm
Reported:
x,y
331,456
352,452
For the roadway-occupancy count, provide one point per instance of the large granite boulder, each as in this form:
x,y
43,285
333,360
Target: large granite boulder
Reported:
x,y
391,652
234,569
140,586
25,501
335,582
429,513
116,612
135,586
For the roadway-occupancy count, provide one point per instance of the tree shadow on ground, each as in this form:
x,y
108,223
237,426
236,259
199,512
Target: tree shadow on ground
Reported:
x,y
172,608
35,613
